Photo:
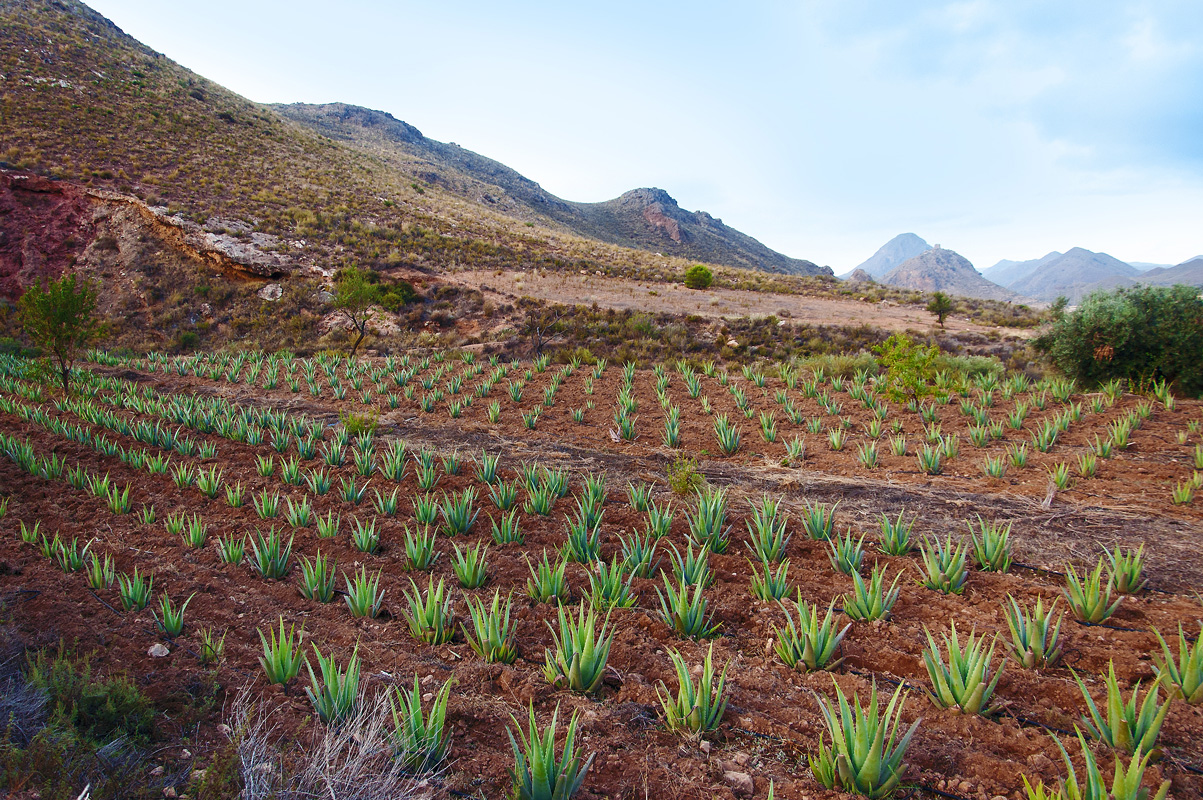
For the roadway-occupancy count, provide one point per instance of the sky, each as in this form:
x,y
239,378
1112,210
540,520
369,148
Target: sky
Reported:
x,y
996,128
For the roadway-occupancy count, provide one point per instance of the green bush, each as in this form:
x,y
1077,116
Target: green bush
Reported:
x,y
699,276
1144,334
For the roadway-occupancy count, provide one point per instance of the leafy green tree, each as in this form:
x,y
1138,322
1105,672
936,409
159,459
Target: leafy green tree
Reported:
x,y
940,306
910,367
1143,334
60,317
699,276
356,291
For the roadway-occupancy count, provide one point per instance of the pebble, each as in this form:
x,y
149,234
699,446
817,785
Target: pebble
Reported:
x,y
158,650
740,782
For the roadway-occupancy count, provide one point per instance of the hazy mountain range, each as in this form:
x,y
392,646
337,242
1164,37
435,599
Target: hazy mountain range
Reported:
x,y
908,261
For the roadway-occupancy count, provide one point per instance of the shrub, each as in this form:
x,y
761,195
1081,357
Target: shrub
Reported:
x,y
699,276
1142,334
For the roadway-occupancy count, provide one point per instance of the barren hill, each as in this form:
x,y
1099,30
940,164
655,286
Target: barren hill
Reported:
x,y
945,271
648,219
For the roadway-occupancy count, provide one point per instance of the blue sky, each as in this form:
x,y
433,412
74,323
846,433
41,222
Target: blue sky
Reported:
x,y
997,128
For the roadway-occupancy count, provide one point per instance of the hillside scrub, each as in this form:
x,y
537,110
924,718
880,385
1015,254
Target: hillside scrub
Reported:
x,y
1146,334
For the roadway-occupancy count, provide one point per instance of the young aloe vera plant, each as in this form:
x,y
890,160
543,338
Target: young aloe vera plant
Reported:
x,y
1035,637
578,659
610,585
336,695
871,601
419,548
269,554
766,531
101,572
170,619
1125,727
429,616
964,683
1126,784
698,707
866,752
708,524
470,566
1182,677
991,545
135,590
318,580
492,634
420,739
945,565
282,656
819,520
1127,569
537,773
845,553
1088,596
546,582
364,596
772,585
685,613
895,537
809,645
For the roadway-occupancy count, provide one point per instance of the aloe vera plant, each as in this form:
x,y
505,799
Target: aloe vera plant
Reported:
x,y
708,524
538,774
577,660
871,601
470,566
771,585
944,565
1182,677
963,683
895,539
1125,726
1089,596
610,585
866,753
1127,569
364,596
429,614
336,695
1035,636
697,707
809,644
1126,784
992,549
546,582
269,555
845,553
135,590
420,739
493,634
101,572
170,619
819,520
767,530
282,656
684,612
318,578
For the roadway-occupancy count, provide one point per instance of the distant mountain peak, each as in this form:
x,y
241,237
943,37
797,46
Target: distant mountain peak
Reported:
x,y
893,253
942,270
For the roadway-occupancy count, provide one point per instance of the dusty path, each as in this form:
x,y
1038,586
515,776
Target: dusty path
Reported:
x,y
622,293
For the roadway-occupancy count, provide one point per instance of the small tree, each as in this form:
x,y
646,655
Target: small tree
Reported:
x,y
910,367
699,277
940,306
354,295
60,316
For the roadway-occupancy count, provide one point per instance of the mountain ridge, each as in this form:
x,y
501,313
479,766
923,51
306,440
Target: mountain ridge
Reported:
x,y
947,271
891,254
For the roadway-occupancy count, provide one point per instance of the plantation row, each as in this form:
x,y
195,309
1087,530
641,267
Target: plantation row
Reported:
x,y
961,673
879,440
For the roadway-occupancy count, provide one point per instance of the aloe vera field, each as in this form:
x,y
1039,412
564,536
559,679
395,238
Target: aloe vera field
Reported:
x,y
775,580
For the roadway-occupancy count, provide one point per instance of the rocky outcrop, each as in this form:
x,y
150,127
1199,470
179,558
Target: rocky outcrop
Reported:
x,y
893,253
859,275
48,226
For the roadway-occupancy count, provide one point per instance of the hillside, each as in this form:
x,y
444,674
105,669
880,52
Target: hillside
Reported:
x,y
648,219
891,254
1188,272
945,271
87,104
1005,272
1075,274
